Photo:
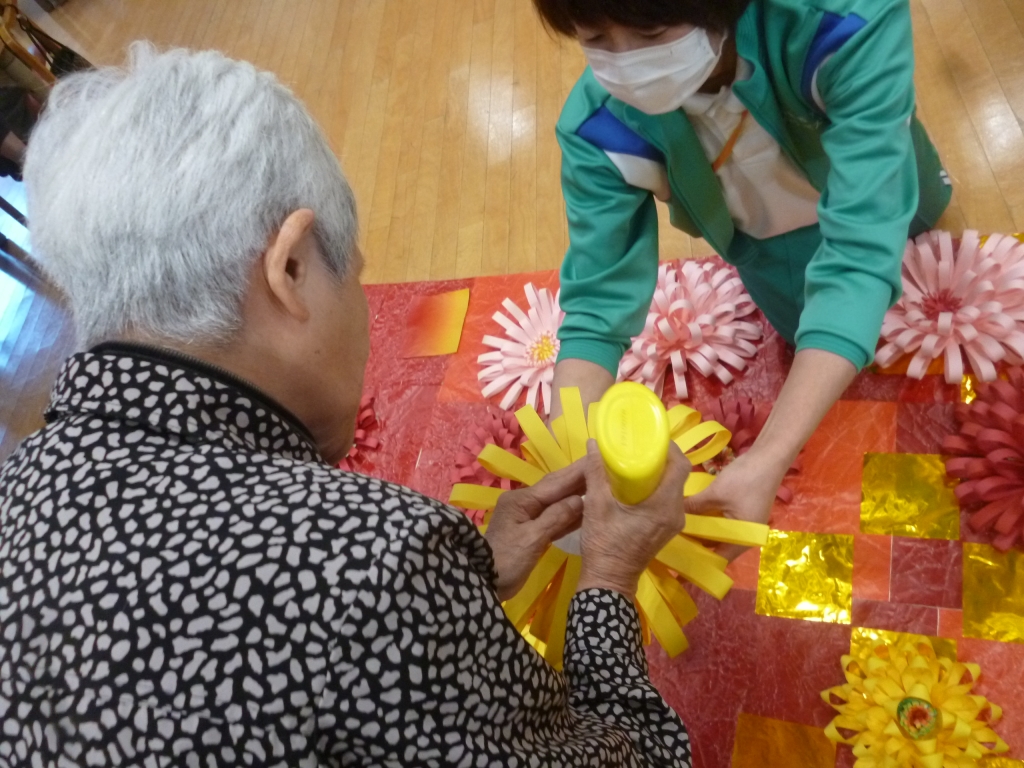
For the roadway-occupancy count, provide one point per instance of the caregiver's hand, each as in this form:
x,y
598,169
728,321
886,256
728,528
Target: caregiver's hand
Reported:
x,y
526,521
618,541
744,490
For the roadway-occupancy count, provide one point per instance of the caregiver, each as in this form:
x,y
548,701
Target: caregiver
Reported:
x,y
781,131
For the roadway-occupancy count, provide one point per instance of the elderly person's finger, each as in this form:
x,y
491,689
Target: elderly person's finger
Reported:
x,y
560,518
618,540
554,487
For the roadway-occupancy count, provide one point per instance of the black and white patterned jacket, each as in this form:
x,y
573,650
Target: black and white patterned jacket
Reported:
x,y
185,582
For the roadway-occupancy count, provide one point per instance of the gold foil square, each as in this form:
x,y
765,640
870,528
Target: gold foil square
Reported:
x,y
1000,762
863,639
908,494
762,742
806,576
993,593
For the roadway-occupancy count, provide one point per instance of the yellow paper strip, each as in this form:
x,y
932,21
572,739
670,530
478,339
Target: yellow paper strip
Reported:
x,y
720,437
556,635
474,496
561,434
575,422
993,593
740,532
678,599
663,622
540,624
697,482
504,464
533,457
540,439
682,419
699,565
540,577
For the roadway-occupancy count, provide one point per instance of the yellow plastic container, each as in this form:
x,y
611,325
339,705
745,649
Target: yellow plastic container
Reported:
x,y
632,432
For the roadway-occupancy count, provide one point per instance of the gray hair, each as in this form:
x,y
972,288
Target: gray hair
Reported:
x,y
153,189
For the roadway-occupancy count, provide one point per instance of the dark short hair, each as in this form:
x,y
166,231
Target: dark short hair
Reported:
x,y
563,16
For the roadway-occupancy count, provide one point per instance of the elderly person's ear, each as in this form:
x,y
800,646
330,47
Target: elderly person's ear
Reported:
x,y
290,258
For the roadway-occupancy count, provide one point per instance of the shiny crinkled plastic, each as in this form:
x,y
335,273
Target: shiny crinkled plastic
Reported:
x,y
863,639
806,576
908,494
764,741
993,593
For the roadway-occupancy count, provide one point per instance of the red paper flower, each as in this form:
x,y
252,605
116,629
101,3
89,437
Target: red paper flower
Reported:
x,y
745,420
695,320
499,428
989,451
955,305
366,422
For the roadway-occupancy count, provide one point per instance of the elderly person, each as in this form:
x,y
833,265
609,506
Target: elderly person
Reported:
x,y
184,577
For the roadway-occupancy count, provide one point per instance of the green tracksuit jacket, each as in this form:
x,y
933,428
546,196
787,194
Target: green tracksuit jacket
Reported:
x,y
833,83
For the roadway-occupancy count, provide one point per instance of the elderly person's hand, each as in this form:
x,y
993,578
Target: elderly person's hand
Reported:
x,y
526,521
617,540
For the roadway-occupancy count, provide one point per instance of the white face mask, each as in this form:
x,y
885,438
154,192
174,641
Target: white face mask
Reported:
x,y
660,78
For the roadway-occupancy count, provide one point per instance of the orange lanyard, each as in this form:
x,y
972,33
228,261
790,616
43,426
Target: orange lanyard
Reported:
x,y
730,145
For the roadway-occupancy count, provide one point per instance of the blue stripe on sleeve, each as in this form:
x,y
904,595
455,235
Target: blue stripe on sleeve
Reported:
x,y
833,32
605,131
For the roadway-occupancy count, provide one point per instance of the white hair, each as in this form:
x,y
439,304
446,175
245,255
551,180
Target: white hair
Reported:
x,y
154,188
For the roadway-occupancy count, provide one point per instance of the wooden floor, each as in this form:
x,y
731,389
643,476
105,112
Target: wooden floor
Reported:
x,y
442,112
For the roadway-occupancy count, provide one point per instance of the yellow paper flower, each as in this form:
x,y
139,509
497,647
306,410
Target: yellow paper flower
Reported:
x,y
541,607
903,705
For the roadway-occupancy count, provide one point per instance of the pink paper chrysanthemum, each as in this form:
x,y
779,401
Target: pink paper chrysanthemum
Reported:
x,y
524,359
987,456
500,428
695,320
968,303
366,425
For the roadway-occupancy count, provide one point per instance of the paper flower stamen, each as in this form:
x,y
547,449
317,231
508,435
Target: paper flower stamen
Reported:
x,y
968,303
524,359
745,419
904,706
988,459
366,425
695,321
541,607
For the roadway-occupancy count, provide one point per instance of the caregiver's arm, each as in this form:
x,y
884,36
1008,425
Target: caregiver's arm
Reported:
x,y
867,91
591,378
745,490
610,269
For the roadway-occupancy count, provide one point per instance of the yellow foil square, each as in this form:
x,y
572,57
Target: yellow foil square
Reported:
x,y
806,576
908,494
863,639
993,594
968,388
1000,762
762,742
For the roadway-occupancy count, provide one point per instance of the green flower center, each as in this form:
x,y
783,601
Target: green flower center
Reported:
x,y
917,718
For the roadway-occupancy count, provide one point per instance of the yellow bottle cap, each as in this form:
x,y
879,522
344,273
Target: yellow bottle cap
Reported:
x,y
633,434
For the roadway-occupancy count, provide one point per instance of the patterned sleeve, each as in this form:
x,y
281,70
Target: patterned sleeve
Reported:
x,y
426,669
607,673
